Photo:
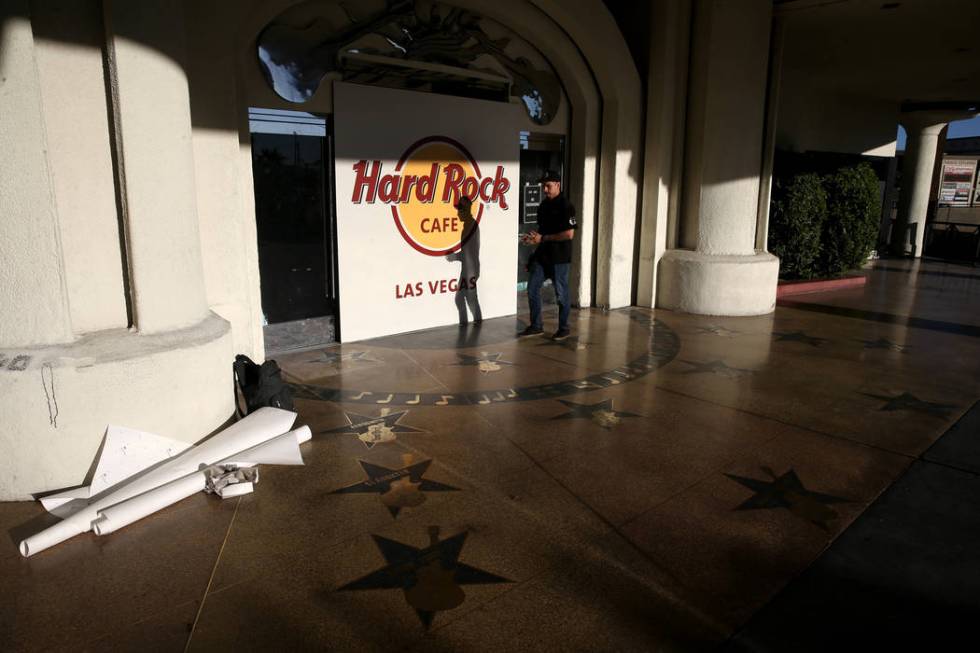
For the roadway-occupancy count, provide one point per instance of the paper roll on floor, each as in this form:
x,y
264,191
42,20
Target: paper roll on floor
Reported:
x,y
169,479
125,513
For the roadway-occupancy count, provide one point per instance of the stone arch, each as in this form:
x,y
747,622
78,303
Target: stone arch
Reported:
x,y
584,46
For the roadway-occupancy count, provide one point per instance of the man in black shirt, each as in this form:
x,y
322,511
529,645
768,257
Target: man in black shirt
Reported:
x,y
553,257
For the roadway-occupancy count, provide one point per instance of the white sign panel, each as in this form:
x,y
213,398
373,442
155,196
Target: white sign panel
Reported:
x,y
957,182
410,255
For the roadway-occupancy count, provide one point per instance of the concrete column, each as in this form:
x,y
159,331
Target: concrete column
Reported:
x,y
670,26
721,272
156,167
922,140
69,36
33,296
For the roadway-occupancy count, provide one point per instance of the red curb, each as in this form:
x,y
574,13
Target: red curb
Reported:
x,y
818,285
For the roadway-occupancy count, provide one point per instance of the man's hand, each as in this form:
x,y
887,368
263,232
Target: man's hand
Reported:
x,y
533,237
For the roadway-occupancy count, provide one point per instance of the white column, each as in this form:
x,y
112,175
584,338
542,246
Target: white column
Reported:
x,y
666,85
153,123
918,165
79,152
721,272
33,297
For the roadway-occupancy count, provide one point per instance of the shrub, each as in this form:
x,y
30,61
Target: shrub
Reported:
x,y
851,228
799,211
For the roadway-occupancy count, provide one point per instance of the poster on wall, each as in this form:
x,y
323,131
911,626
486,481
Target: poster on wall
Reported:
x,y
957,182
412,252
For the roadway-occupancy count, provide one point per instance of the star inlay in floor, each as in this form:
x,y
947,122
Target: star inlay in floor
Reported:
x,y
335,358
374,430
908,401
799,336
431,577
715,330
602,413
787,491
403,487
716,367
486,362
572,343
883,343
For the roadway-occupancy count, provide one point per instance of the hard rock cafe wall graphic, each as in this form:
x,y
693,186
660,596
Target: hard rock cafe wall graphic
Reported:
x,y
409,44
426,207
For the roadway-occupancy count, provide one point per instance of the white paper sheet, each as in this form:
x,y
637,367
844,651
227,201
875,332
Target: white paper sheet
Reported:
x,y
252,431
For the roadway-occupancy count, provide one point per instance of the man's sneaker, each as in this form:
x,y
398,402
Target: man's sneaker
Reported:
x,y
561,334
530,331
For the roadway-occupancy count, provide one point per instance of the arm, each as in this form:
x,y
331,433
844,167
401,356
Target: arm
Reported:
x,y
536,238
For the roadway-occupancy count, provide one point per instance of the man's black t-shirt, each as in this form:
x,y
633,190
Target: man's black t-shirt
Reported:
x,y
554,217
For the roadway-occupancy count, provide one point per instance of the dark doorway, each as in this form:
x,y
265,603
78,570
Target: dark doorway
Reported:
x,y
294,214
539,153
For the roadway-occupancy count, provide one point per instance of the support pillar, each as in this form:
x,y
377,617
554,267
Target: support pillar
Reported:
x,y
33,295
720,271
153,125
922,140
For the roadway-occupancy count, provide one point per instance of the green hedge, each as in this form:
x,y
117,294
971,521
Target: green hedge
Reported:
x,y
799,210
854,208
822,226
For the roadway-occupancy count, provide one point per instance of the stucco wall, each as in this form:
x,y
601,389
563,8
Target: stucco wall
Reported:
x,y
65,374
228,245
32,281
73,97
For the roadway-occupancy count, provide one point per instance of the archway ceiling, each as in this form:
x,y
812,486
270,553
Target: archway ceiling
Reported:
x,y
917,51
319,39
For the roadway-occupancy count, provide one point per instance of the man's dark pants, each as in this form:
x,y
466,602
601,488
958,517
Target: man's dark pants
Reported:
x,y
558,273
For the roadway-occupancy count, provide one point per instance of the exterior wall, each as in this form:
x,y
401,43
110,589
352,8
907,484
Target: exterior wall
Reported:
x,y
664,140
223,177
593,29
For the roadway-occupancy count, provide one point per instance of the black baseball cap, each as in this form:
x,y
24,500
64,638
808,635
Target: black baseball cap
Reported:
x,y
550,175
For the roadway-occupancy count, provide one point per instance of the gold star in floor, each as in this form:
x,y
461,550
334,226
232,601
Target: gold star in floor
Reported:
x,y
787,491
798,336
908,401
431,577
716,330
374,430
602,413
716,367
572,343
884,343
335,358
486,362
399,488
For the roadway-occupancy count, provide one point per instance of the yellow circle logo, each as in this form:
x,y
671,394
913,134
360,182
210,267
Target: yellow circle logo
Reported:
x,y
425,190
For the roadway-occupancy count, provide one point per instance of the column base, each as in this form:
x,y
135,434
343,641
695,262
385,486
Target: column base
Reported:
x,y
706,284
57,401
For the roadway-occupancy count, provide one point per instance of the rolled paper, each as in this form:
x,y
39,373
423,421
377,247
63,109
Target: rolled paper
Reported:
x,y
47,538
255,429
125,513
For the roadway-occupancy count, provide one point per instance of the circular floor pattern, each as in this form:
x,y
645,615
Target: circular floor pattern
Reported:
x,y
663,347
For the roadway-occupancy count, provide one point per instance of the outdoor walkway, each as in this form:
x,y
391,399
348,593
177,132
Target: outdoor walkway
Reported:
x,y
659,481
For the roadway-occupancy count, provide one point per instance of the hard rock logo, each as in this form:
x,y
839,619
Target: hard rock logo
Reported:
x,y
423,190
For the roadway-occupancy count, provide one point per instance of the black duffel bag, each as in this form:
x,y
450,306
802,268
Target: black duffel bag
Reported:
x,y
259,385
